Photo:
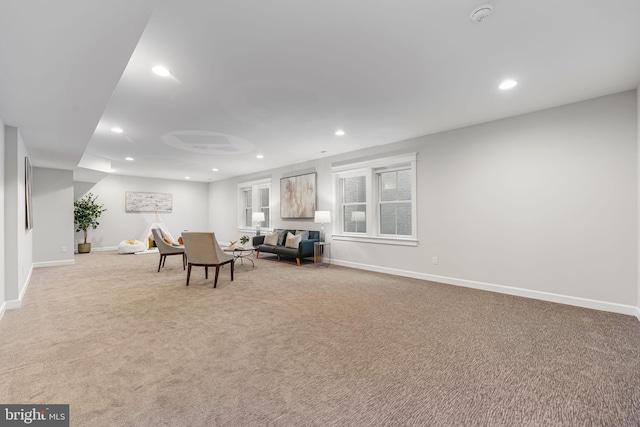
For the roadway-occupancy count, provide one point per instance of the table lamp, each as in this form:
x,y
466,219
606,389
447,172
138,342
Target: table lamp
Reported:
x,y
322,217
257,217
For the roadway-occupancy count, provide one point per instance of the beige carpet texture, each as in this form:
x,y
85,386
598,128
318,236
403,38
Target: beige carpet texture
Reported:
x,y
284,345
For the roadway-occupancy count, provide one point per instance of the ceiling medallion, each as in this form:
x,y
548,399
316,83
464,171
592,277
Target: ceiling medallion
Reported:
x,y
207,142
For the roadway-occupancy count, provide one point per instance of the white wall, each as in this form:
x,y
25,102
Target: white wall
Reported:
x,y
18,240
638,163
53,230
2,222
543,205
190,208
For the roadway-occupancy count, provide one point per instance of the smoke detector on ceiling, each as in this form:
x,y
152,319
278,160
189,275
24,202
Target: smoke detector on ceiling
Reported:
x,y
481,12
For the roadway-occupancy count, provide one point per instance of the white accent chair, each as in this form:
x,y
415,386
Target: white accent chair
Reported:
x,y
166,249
203,251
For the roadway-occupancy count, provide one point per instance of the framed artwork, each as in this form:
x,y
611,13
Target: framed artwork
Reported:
x,y
148,202
28,191
298,196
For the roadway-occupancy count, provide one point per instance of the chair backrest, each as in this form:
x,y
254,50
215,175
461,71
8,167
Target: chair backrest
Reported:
x,y
160,243
202,248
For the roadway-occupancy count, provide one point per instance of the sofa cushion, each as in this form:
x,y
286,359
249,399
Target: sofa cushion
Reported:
x,y
303,233
293,241
282,235
271,239
268,248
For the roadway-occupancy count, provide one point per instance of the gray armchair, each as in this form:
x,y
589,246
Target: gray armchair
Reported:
x,y
203,250
166,249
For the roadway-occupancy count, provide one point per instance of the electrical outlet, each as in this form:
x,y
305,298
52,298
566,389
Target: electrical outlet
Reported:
x,y
63,249
434,260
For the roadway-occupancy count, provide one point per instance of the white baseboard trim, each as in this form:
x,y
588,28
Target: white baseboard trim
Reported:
x,y
527,293
3,308
53,263
17,303
105,248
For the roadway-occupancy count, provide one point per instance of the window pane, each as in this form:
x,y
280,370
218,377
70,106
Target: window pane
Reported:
x,y
264,197
247,217
265,223
403,213
354,218
248,199
388,218
388,186
404,185
354,189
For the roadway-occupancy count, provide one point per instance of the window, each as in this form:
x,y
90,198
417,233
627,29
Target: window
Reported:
x,y
376,200
354,204
394,202
254,197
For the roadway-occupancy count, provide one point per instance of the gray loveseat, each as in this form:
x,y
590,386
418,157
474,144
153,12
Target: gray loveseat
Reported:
x,y
304,249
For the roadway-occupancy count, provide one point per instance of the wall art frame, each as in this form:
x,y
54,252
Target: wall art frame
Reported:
x,y
298,196
137,201
28,193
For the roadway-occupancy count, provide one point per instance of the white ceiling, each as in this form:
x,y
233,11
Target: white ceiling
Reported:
x,y
279,77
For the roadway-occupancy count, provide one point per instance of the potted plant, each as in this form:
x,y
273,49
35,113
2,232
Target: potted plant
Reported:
x,y
244,240
85,214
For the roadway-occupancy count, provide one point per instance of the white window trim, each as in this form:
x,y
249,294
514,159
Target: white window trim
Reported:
x,y
254,185
370,169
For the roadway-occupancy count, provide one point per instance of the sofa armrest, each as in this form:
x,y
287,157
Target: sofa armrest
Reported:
x,y
257,240
305,248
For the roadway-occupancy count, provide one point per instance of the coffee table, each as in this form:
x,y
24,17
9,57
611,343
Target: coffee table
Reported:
x,y
241,253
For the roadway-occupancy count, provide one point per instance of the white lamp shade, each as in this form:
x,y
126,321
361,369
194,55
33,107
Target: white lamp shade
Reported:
x,y
257,216
358,216
323,217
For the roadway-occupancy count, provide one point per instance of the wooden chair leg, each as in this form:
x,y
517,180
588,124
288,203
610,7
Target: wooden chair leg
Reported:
x,y
215,281
184,260
206,272
188,274
160,264
298,261
232,264
257,254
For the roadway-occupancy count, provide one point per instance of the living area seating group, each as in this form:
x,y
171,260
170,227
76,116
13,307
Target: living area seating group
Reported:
x,y
202,248
296,244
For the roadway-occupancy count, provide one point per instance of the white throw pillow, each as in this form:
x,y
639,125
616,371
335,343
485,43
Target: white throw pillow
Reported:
x,y
293,241
271,239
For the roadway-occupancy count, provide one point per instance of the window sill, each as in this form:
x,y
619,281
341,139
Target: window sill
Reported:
x,y
398,241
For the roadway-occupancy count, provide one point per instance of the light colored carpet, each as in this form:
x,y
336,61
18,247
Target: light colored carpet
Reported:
x,y
283,345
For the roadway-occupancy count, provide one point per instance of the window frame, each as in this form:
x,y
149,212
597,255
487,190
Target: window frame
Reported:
x,y
371,170
254,186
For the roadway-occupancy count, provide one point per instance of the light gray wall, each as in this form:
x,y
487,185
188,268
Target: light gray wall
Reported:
x,y
190,208
545,202
638,165
223,200
18,240
52,215
2,221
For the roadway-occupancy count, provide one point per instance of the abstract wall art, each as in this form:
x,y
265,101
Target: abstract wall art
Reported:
x,y
298,196
136,201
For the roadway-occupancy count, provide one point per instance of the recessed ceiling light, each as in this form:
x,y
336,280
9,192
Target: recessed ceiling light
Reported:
x,y
161,71
187,177
215,169
113,170
508,84
259,156
339,132
129,158
116,130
